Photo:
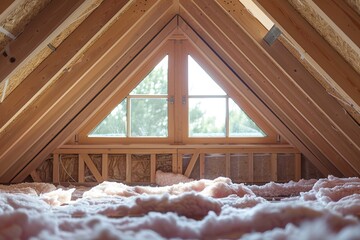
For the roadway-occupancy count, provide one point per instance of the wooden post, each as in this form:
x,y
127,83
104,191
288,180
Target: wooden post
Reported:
x,y
104,166
81,171
56,169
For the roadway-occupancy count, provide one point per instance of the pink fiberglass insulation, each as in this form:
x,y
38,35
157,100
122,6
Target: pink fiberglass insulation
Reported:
x,y
182,208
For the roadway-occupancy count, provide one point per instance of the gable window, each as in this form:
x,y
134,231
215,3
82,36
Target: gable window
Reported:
x,y
176,101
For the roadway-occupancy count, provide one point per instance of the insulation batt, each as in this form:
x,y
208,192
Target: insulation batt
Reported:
x,y
182,208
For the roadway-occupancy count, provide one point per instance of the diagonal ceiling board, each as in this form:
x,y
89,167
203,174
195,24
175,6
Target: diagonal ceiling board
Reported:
x,y
55,64
331,114
254,99
340,75
36,35
139,29
264,88
315,126
342,18
4,4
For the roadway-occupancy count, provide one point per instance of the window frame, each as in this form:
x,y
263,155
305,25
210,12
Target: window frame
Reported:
x,y
178,125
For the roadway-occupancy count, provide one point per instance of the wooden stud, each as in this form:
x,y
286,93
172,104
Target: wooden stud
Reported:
x,y
202,165
81,169
35,176
227,165
297,166
174,161
152,167
192,163
128,168
92,167
180,163
104,166
274,167
251,167
56,169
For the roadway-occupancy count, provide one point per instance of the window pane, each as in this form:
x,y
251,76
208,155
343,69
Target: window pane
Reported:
x,y
114,125
200,83
155,82
240,124
149,117
207,117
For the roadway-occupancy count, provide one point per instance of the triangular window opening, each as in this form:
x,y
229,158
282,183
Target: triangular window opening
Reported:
x,y
212,113
144,112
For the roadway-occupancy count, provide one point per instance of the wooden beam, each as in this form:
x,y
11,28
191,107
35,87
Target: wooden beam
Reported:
x,y
56,169
92,167
152,167
211,18
123,52
340,74
273,165
104,166
342,18
330,112
251,167
55,64
192,163
128,168
37,35
4,4
81,169
202,165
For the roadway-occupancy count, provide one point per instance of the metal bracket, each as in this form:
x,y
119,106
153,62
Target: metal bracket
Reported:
x,y
272,35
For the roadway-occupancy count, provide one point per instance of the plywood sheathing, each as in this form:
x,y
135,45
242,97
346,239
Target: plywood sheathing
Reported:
x,y
17,19
350,54
354,4
19,76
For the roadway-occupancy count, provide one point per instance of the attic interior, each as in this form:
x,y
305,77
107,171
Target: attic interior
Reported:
x,y
130,118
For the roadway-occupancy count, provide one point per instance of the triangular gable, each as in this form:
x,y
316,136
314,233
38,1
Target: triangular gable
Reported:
x,y
244,124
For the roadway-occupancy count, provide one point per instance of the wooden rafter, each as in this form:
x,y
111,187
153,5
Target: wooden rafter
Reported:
x,y
220,32
5,4
332,114
84,98
36,36
56,63
338,72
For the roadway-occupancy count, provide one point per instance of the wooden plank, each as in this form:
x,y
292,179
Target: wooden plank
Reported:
x,y
318,100
152,167
251,167
202,165
227,165
180,163
273,167
192,163
81,169
297,166
37,35
55,64
123,50
4,4
128,168
104,166
174,162
56,169
341,17
225,31
341,75
35,176
92,167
